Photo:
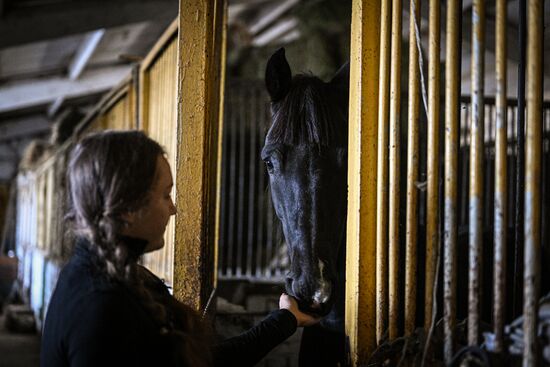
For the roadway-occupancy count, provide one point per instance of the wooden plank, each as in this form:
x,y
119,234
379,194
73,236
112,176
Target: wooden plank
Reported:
x,y
170,32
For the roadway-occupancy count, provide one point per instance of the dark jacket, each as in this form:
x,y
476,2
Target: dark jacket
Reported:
x,y
93,321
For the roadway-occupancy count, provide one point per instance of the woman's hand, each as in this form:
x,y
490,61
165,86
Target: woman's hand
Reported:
x,y
289,303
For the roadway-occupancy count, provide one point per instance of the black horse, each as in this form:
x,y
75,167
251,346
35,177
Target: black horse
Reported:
x,y
305,154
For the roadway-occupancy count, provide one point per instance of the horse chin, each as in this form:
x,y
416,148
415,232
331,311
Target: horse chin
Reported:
x,y
315,309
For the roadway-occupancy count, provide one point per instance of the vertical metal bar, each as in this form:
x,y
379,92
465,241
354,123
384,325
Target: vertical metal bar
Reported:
x,y
222,243
395,99
221,138
257,129
263,194
412,172
476,171
232,131
489,155
432,233
500,209
240,189
520,162
382,168
531,277
252,162
452,93
463,194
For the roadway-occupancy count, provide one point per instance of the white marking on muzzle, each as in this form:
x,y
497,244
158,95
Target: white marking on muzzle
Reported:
x,y
322,293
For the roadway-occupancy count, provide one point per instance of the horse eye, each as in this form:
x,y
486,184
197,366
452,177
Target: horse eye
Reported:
x,y
268,164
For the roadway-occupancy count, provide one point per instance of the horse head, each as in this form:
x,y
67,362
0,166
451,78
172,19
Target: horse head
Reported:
x,y
305,154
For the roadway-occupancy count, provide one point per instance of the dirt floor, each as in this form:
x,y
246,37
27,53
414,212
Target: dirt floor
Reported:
x,y
18,350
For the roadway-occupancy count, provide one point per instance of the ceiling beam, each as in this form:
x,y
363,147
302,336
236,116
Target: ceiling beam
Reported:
x,y
22,95
271,14
279,30
42,22
84,53
78,63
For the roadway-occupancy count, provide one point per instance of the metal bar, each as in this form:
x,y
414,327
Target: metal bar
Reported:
x,y
222,242
452,93
520,162
395,99
382,174
531,277
476,171
258,113
240,189
263,196
412,172
500,208
251,181
463,194
432,225
232,131
220,169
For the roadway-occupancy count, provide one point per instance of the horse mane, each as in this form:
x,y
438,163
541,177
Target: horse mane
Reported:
x,y
312,112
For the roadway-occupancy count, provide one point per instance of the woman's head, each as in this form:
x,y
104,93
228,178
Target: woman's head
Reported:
x,y
120,184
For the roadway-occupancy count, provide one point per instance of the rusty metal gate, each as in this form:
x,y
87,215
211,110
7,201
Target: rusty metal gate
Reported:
x,y
433,230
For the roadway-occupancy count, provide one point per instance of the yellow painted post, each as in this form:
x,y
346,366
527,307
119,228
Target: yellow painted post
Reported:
x,y
199,55
500,209
361,226
476,171
382,174
452,105
393,222
432,225
412,171
531,277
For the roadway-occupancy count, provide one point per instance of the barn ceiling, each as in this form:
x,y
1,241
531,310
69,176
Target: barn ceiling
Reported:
x,y
57,55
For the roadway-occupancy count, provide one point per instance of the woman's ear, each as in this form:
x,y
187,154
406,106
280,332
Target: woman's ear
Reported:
x,y
128,217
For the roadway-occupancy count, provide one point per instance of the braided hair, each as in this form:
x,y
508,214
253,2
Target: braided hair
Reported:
x,y
110,174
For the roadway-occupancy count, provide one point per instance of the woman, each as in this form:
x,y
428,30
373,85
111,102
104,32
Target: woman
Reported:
x,y
106,309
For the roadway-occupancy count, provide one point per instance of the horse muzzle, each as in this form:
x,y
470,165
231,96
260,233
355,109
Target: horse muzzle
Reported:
x,y
313,300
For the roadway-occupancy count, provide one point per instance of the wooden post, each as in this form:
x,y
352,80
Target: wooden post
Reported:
x,y
361,226
199,55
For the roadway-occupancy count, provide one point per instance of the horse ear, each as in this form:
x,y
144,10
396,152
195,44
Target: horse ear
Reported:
x,y
341,78
278,76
